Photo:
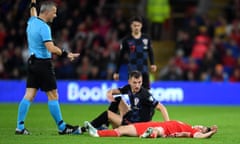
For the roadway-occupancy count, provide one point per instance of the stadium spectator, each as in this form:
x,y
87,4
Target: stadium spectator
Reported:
x,y
84,69
201,44
207,64
184,43
191,70
171,72
220,27
235,77
76,19
158,11
218,74
3,35
228,62
81,20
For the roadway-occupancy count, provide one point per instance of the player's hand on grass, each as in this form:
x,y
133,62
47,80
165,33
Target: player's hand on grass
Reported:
x,y
214,128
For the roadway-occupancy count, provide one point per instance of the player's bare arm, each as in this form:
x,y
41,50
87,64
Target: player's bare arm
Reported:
x,y
33,9
182,134
163,111
208,134
56,50
112,92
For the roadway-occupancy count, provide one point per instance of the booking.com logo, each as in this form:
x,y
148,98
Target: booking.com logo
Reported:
x,y
97,93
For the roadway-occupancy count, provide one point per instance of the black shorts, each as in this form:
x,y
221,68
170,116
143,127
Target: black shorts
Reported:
x,y
134,117
41,74
129,118
126,120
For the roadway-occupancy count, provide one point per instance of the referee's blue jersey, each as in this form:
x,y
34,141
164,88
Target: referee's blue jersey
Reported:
x,y
38,32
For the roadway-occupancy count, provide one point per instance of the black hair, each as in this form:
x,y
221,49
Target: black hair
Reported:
x,y
136,18
135,74
208,129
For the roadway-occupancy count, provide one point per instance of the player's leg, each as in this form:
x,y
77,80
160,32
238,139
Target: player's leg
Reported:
x,y
31,90
47,83
123,108
122,130
114,119
54,108
23,109
146,81
100,133
128,130
101,121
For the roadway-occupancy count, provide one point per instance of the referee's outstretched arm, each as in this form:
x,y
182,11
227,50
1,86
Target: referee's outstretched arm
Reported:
x,y
33,9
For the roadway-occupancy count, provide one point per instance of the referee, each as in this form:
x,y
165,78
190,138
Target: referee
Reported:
x,y
41,73
138,48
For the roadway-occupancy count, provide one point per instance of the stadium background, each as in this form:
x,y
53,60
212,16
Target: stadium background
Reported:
x,y
185,82
198,40
196,47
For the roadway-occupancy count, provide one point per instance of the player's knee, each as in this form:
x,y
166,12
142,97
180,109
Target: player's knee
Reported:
x,y
52,95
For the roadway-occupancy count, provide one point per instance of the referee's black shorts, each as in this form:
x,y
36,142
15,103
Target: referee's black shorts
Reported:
x,y
41,74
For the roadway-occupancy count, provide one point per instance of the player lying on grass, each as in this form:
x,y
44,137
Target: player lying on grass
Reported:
x,y
155,129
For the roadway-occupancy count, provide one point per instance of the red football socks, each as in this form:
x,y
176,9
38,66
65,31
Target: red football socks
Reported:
x,y
108,133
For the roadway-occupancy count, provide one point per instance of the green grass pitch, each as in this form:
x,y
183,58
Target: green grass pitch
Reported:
x,y
44,130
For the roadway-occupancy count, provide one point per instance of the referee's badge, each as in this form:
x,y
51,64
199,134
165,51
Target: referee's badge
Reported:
x,y
145,42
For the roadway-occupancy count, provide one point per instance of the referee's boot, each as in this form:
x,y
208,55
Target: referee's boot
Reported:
x,y
71,130
22,132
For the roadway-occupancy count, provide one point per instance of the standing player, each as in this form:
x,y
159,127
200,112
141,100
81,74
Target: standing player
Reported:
x,y
142,104
40,69
138,48
156,129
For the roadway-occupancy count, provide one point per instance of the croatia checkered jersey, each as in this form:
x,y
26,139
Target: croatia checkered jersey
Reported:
x,y
142,103
138,52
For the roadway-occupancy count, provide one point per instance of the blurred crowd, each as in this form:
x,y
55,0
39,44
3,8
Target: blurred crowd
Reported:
x,y
88,27
206,49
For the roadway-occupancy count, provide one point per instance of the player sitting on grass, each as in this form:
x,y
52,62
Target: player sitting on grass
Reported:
x,y
141,109
156,129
